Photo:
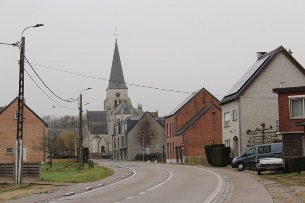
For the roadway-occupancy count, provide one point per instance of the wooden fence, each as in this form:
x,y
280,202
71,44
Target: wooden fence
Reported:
x,y
31,171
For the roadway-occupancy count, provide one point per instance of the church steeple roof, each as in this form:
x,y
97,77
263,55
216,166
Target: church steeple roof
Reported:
x,y
116,80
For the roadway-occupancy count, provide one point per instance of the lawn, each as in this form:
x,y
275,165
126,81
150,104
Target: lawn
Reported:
x,y
287,179
69,173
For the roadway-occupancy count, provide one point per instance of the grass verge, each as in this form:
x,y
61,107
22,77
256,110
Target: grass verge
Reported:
x,y
69,173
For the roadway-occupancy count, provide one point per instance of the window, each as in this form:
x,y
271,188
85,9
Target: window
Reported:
x,y
234,115
167,130
16,115
9,150
264,149
226,119
277,126
227,143
297,107
114,142
251,151
123,129
122,141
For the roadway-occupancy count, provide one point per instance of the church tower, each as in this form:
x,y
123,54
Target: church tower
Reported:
x,y
117,103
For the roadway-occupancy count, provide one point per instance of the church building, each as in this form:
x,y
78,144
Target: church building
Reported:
x,y
117,107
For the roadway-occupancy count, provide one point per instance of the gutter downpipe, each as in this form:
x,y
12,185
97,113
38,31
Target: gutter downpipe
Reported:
x,y
239,127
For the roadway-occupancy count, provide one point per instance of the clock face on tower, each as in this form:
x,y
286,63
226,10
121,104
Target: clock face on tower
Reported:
x,y
117,94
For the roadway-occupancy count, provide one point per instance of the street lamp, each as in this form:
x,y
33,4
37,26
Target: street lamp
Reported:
x,y
19,137
81,161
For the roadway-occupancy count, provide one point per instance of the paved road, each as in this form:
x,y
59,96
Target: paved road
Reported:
x,y
150,182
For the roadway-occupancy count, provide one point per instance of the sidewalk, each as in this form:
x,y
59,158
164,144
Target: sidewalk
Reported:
x,y
249,187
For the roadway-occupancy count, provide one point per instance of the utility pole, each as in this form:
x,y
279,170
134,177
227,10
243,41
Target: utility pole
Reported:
x,y
81,150
81,161
20,115
19,138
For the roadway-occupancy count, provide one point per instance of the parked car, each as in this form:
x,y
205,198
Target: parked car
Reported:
x,y
248,159
271,164
106,155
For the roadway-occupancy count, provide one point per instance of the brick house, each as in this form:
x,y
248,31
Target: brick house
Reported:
x,y
34,130
291,119
251,102
194,123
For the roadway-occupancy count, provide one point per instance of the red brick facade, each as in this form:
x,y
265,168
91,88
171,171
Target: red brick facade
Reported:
x,y
287,124
292,135
34,129
196,124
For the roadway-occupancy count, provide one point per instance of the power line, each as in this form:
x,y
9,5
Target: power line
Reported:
x,y
65,100
131,84
45,92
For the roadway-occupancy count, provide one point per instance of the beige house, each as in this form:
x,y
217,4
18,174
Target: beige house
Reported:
x,y
127,140
251,102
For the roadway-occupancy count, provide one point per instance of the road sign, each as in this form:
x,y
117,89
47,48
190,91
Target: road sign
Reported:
x,y
182,146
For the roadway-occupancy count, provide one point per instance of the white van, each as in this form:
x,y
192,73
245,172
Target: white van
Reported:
x,y
248,158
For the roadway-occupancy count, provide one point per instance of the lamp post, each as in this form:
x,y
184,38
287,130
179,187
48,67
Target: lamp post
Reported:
x,y
81,161
19,137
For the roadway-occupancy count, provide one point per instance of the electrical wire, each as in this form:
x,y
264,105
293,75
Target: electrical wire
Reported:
x,y
45,92
65,100
94,77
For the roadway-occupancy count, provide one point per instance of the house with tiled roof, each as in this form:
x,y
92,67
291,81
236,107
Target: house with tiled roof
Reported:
x,y
251,102
34,131
190,126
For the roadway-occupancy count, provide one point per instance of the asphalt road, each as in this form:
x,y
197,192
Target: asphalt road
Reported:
x,y
156,183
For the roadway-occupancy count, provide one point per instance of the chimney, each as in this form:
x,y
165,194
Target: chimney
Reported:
x,y
260,55
290,52
282,84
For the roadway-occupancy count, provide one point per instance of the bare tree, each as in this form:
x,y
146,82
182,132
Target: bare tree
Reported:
x,y
146,132
49,144
261,135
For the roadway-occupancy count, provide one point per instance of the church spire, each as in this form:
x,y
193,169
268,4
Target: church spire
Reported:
x,y
116,80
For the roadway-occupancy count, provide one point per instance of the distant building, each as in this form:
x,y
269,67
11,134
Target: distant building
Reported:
x,y
34,131
194,123
291,119
128,140
117,107
251,102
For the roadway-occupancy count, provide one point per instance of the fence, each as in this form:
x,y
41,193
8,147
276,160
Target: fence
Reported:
x,y
30,171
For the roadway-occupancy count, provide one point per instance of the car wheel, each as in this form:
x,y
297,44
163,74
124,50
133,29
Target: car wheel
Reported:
x,y
241,166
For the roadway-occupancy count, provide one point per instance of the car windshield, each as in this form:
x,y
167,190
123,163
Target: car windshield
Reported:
x,y
251,151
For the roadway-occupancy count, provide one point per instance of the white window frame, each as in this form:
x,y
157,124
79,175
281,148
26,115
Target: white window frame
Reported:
x,y
297,97
9,151
123,129
227,143
226,120
234,115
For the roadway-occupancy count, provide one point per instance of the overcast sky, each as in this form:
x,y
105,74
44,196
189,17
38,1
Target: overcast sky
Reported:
x,y
174,45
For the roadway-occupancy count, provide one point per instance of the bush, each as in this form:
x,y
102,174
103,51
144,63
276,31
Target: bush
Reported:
x,y
221,156
295,164
209,151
